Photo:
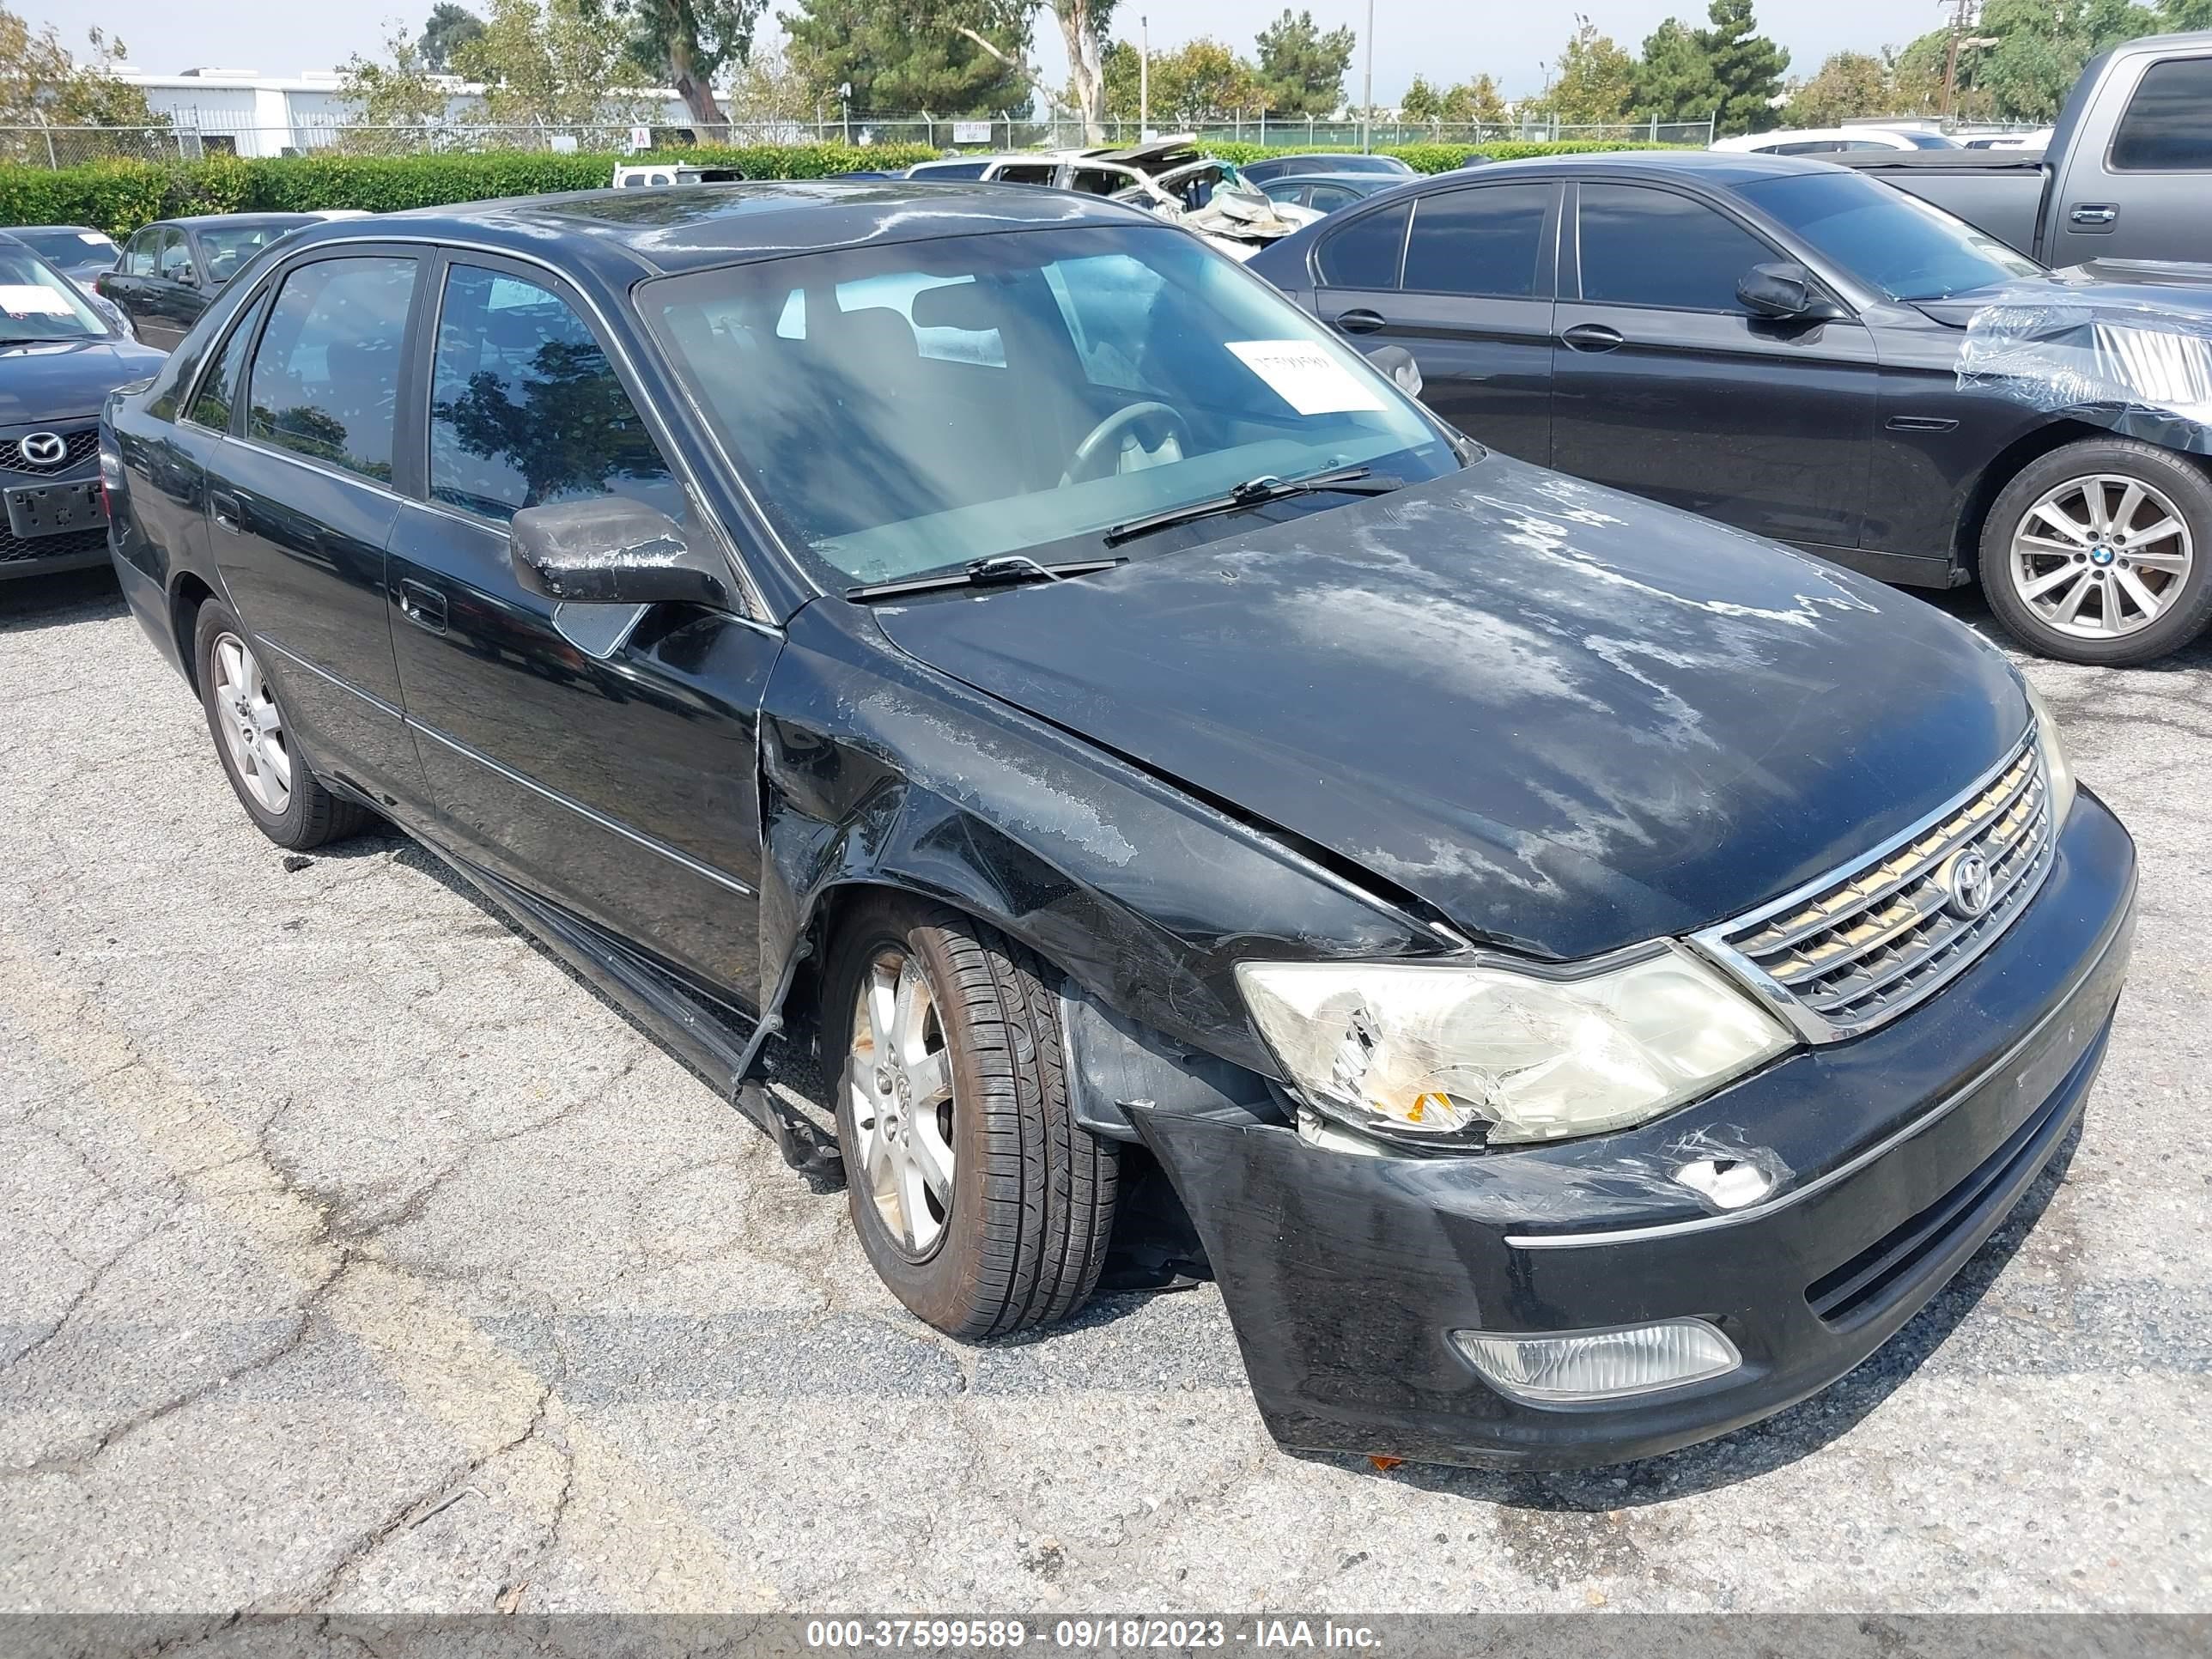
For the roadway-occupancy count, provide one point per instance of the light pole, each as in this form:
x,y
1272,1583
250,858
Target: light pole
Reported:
x,y
1367,89
1143,77
1951,66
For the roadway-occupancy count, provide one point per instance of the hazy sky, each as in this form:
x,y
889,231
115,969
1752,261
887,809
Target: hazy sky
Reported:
x,y
1442,41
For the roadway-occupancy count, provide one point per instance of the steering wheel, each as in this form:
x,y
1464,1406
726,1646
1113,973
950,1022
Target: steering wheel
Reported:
x,y
1104,439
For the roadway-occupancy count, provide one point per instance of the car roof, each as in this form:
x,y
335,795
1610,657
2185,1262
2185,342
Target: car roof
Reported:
x,y
74,230
243,221
621,233
1380,180
1715,167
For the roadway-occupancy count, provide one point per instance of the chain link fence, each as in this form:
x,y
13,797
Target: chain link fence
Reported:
x,y
186,138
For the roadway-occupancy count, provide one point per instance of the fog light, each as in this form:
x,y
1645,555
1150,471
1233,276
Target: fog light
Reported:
x,y
1563,1367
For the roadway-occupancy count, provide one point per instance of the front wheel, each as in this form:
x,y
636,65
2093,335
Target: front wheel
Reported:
x,y
980,1201
2101,553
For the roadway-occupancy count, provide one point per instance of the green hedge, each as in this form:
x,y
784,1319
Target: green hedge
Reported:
x,y
118,197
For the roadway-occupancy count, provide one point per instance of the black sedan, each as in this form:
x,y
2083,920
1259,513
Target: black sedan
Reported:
x,y
1589,975
1271,166
1800,352
171,271
58,361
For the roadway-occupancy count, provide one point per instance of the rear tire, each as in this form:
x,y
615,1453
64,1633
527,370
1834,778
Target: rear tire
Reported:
x,y
2100,552
259,752
948,1036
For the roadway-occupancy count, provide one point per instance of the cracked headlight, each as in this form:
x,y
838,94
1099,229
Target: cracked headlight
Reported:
x,y
2058,770
1479,1055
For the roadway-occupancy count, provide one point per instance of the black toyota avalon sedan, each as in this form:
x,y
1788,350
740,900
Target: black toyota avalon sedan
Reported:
x,y
59,358
1590,974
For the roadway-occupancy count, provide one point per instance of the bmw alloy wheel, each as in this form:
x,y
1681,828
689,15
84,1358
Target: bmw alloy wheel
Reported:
x,y
251,727
2101,558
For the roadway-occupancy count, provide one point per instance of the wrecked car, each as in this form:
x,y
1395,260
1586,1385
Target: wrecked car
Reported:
x,y
1586,975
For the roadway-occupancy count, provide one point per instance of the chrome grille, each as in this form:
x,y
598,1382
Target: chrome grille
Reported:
x,y
1860,946
79,447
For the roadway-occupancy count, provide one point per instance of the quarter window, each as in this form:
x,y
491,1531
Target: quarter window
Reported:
x,y
1652,247
1367,253
326,377
218,391
2168,124
1478,242
525,407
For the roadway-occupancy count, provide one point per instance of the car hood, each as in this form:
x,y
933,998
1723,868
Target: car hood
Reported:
x,y
67,379
2159,285
1566,719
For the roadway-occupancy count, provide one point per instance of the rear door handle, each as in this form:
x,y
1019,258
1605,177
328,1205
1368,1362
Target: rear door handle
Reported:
x,y
2093,215
1360,320
423,606
1593,336
228,509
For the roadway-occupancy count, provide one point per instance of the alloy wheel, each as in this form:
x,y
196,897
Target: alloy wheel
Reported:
x,y
901,1073
2101,558
253,727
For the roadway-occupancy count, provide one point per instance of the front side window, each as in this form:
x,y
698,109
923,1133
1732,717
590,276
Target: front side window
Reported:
x,y
176,257
1652,247
525,407
37,302
218,392
1132,371
2168,124
326,377
1367,253
1899,245
1480,241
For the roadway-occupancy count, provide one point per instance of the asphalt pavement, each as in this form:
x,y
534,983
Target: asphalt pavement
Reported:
x,y
361,1259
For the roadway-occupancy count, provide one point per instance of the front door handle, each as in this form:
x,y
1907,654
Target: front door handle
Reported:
x,y
1593,336
229,511
2093,215
1360,320
422,605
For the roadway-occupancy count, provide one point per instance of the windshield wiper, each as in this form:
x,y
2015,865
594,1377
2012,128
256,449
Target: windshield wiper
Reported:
x,y
1256,492
1002,571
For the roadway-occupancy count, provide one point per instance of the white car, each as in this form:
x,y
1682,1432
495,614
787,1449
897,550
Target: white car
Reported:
x,y
1834,141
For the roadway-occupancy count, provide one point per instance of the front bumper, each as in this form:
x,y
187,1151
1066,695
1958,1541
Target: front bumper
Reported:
x,y
1899,1152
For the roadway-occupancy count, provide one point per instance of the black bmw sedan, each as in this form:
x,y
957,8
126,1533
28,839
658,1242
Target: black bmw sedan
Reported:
x,y
1588,974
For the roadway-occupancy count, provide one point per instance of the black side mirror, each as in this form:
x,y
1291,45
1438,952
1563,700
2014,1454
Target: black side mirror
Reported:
x,y
611,550
1783,289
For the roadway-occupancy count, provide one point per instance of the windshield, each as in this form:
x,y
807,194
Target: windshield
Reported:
x,y
1907,248
69,247
225,249
37,302
911,407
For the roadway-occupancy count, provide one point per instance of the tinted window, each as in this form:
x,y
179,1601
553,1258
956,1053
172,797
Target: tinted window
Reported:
x,y
219,390
1366,252
1478,241
326,375
176,259
525,409
1025,173
1908,248
138,259
1329,197
1651,247
952,170
226,249
69,247
2168,125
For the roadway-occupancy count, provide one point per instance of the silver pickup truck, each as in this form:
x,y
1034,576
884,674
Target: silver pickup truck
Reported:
x,y
2127,174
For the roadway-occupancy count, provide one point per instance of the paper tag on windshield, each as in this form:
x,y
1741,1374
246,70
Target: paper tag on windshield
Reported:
x,y
1305,376
92,237
29,299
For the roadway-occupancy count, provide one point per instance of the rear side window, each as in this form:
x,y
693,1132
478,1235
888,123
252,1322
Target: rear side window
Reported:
x,y
1025,173
218,391
138,258
1482,241
1652,247
952,170
1367,253
2168,124
326,374
525,409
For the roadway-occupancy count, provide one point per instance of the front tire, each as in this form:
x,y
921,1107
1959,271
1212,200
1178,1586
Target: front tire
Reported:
x,y
2101,553
259,751
980,1201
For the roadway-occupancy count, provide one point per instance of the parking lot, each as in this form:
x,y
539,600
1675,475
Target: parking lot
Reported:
x,y
364,1260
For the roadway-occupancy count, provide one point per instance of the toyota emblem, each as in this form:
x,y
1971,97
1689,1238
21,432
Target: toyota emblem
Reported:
x,y
1967,881
43,449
